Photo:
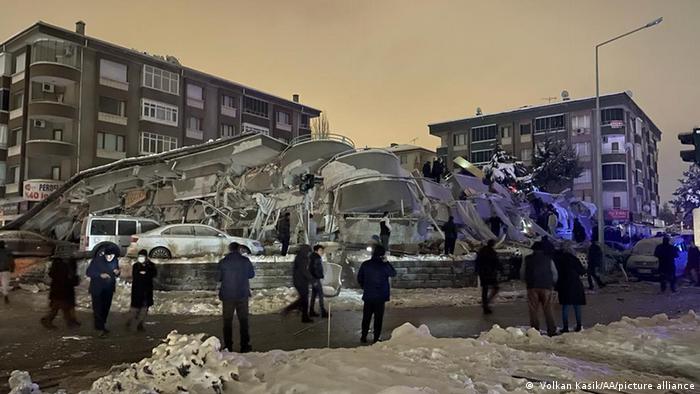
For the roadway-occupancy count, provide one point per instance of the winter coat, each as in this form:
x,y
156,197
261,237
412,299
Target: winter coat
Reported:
x,y
426,170
142,283
234,272
283,229
693,259
384,226
595,257
487,265
64,278
7,261
579,232
98,266
539,271
495,223
301,276
666,253
569,286
450,229
316,266
373,277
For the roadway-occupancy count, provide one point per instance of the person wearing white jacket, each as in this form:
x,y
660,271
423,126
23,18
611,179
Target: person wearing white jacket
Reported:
x,y
385,230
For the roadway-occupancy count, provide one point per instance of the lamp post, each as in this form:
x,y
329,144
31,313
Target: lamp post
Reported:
x,y
598,138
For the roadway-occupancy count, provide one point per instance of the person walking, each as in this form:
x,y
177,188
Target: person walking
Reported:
x,y
540,276
487,266
301,278
552,223
595,261
7,267
385,230
64,279
234,272
569,285
142,272
450,230
667,254
692,269
316,270
427,172
284,232
579,232
103,272
373,278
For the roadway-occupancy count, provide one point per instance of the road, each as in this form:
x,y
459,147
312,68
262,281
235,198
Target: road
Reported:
x,y
73,359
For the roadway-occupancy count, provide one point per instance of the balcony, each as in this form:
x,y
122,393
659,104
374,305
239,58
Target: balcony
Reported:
x,y
283,126
43,148
195,134
52,109
12,188
111,118
229,111
56,52
195,103
114,84
18,77
54,73
16,113
110,154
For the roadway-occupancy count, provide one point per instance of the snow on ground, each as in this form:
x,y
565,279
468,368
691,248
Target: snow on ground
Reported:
x,y
413,361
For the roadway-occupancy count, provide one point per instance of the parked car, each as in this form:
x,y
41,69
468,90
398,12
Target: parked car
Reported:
x,y
27,243
643,264
100,231
187,240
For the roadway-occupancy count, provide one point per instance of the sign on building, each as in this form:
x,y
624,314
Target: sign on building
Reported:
x,y
617,214
617,124
39,190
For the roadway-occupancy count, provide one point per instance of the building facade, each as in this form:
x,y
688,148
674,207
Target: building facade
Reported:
x,y
70,102
629,147
412,157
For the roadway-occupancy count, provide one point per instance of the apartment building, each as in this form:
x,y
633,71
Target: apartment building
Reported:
x,y
411,157
629,147
70,102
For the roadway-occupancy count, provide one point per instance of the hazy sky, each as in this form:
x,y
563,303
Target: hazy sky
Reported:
x,y
383,70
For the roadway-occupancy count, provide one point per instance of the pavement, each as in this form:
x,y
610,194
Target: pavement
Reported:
x,y
73,359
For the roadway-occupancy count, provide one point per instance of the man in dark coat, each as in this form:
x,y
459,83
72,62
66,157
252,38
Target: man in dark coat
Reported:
x,y
64,278
595,260
234,273
316,270
284,232
450,230
142,271
667,254
103,272
437,170
579,231
427,172
301,277
7,266
487,266
569,286
373,277
540,276
495,224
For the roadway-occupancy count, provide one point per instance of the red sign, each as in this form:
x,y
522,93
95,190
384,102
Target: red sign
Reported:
x,y
617,214
617,124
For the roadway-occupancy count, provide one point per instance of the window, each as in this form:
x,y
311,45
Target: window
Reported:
x,y
228,130
179,230
581,123
526,154
162,80
255,107
585,177
194,123
403,159
148,226
283,118
617,202
127,227
17,101
103,227
110,142
228,101
481,156
610,114
614,172
13,175
56,173
205,232
113,71
583,150
157,143
484,133
112,106
20,61
3,138
460,139
4,100
304,121
525,129
613,144
615,147
15,137
505,132
549,124
159,112
3,172
58,135
195,92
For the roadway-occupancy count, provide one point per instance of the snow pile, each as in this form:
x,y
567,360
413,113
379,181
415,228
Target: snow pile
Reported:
x,y
21,383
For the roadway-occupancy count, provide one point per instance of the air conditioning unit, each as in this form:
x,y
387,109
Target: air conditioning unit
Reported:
x,y
47,88
39,123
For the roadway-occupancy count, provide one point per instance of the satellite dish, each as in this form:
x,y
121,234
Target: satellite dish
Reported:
x,y
478,111
564,95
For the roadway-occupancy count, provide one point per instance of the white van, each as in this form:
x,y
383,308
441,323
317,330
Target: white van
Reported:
x,y
100,231
643,264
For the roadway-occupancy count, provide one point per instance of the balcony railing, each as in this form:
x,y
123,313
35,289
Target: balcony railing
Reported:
x,y
322,137
196,134
16,113
52,51
12,188
195,103
114,84
283,126
229,111
14,150
111,118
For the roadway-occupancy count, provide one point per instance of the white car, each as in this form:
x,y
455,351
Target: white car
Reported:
x,y
187,240
643,264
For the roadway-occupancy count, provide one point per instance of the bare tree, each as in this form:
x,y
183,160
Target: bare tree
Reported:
x,y
320,127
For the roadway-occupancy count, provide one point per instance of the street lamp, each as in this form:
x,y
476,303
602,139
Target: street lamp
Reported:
x,y
598,138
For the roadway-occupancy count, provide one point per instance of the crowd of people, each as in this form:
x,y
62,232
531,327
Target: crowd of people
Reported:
x,y
434,171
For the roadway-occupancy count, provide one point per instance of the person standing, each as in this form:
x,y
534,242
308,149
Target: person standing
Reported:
x,y
316,270
552,223
64,279
693,266
569,286
301,278
579,232
373,278
427,172
487,266
595,261
284,232
7,267
667,254
450,230
436,170
385,230
142,272
540,276
235,272
103,272
495,224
